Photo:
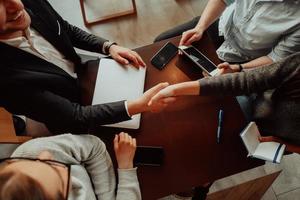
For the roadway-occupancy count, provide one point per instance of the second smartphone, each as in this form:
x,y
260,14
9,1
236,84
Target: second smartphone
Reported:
x,y
200,59
164,55
149,155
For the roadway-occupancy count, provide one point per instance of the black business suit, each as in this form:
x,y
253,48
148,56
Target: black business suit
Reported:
x,y
44,92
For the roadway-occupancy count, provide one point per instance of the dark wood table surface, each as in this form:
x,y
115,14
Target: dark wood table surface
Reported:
x,y
186,129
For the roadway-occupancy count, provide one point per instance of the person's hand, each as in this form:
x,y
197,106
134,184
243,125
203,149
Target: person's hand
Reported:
x,y
227,68
163,95
141,104
190,36
160,104
124,56
124,146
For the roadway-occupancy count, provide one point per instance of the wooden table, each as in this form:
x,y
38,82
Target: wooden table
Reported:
x,y
186,130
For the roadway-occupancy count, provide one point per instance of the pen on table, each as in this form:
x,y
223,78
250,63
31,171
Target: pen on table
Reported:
x,y
220,124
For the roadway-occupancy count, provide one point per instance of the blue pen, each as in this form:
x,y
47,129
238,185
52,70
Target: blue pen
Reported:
x,y
220,124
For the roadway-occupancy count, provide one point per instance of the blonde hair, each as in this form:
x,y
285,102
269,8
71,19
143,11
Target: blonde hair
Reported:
x,y
17,186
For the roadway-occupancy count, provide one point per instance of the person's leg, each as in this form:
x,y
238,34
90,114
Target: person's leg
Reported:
x,y
213,33
178,30
246,105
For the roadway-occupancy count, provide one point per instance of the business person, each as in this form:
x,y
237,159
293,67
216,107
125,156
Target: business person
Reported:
x,y
38,69
277,88
249,33
73,166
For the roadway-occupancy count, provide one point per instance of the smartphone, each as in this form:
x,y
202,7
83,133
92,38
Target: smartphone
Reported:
x,y
199,59
149,155
164,55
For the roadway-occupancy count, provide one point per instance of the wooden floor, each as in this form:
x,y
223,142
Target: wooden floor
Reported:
x,y
153,17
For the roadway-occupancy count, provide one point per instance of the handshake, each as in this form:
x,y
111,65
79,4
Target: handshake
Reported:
x,y
160,96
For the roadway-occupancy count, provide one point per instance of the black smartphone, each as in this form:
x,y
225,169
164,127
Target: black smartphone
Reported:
x,y
200,59
164,55
149,155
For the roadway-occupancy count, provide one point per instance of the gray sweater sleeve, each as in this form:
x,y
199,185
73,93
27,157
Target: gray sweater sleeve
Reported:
x,y
252,81
89,151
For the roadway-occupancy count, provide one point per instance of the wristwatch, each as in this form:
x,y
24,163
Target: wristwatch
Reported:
x,y
240,67
106,46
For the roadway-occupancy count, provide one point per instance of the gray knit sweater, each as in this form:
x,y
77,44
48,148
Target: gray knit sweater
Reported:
x,y
91,164
276,108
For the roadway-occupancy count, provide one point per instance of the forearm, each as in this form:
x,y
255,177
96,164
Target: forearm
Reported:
x,y
212,11
128,187
83,40
253,81
135,107
186,88
258,62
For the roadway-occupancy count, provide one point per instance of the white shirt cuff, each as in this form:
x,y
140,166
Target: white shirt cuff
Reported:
x,y
126,107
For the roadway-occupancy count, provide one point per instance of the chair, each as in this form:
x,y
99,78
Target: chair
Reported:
x,y
7,130
87,22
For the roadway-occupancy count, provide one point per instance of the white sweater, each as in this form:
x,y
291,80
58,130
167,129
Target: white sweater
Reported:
x,y
91,165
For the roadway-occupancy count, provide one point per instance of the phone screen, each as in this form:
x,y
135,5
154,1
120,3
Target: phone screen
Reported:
x,y
199,58
148,155
164,55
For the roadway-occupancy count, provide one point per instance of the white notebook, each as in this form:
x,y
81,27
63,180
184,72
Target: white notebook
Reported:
x,y
270,151
116,82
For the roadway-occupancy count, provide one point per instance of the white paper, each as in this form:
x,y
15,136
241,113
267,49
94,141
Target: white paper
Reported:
x,y
250,137
116,82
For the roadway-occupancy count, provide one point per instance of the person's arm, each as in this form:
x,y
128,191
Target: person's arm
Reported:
x,y
231,68
86,150
86,41
288,45
60,115
212,11
252,81
128,186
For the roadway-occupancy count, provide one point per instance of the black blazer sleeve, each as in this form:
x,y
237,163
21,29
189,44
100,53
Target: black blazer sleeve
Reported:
x,y
59,114
79,38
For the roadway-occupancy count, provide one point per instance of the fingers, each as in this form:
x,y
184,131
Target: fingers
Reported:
x,y
130,56
223,65
163,95
116,142
155,98
121,60
168,100
139,59
205,74
125,55
185,37
134,142
134,57
159,87
124,138
190,36
192,39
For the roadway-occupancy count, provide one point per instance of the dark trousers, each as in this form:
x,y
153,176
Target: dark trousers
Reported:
x,y
212,31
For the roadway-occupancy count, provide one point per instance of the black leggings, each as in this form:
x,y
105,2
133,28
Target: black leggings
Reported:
x,y
212,31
